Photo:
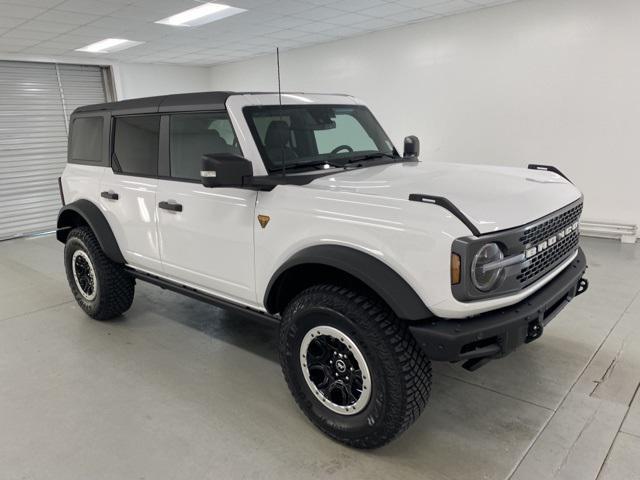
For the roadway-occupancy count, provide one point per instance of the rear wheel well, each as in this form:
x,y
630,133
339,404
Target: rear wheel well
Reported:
x,y
83,212
299,277
68,220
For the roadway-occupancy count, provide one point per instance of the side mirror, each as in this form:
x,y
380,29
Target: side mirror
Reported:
x,y
411,146
225,170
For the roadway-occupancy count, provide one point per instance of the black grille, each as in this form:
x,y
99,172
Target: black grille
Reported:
x,y
537,233
553,255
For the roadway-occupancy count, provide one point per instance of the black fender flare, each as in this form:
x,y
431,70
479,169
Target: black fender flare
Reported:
x,y
378,276
95,219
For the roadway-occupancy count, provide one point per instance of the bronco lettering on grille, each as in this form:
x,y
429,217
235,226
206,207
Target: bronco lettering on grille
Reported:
x,y
532,251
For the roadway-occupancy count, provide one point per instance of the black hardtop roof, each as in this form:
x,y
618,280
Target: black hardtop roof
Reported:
x,y
168,103
162,103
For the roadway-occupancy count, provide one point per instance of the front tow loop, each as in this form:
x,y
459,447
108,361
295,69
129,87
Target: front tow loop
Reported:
x,y
583,285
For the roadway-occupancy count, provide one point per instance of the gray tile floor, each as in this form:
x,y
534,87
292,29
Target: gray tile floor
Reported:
x,y
178,389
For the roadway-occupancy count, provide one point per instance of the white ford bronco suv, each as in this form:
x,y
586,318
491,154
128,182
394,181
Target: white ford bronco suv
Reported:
x,y
297,209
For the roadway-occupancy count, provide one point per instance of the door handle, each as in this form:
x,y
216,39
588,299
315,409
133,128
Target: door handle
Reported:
x,y
174,207
111,195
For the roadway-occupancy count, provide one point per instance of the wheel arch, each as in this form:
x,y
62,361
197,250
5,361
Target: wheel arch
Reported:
x,y
346,266
85,212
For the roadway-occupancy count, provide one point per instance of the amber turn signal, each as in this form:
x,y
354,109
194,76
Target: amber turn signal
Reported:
x,y
455,269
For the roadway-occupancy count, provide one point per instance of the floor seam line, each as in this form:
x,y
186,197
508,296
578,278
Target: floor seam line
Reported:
x,y
13,317
606,457
626,414
484,387
626,309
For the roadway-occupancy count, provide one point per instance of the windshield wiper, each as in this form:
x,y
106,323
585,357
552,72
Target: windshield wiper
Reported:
x,y
314,164
371,156
342,163
318,163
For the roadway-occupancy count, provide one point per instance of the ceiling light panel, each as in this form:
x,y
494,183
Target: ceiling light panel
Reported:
x,y
109,45
205,13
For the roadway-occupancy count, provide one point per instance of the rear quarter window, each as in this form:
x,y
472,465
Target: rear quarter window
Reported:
x,y
86,139
135,145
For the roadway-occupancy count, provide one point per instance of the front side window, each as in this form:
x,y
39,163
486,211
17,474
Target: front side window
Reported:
x,y
312,135
193,135
86,139
135,145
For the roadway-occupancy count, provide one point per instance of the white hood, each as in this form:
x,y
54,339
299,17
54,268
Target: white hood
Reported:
x,y
493,198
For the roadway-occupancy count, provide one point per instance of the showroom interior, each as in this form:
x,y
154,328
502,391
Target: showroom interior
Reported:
x,y
180,388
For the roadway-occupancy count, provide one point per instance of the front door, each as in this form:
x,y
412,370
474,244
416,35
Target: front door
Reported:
x,y
206,234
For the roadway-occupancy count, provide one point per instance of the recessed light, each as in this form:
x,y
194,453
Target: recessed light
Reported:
x,y
205,13
109,45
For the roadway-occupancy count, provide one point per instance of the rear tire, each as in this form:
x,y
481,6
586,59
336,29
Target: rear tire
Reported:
x,y
327,322
102,288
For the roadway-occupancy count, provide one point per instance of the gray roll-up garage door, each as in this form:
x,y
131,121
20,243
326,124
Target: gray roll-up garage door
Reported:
x,y
36,100
81,85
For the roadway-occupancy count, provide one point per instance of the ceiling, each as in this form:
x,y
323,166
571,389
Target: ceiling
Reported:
x,y
55,28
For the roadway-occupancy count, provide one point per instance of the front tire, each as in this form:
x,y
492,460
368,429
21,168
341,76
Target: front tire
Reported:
x,y
353,368
101,287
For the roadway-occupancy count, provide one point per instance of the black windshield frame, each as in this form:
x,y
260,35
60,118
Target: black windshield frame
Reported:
x,y
307,163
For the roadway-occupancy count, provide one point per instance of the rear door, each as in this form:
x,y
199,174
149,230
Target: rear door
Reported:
x,y
128,189
206,234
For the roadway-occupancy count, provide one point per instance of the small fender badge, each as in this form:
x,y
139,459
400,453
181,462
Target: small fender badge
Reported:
x,y
263,219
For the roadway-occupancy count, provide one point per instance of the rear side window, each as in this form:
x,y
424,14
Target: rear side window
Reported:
x,y
135,145
86,139
193,135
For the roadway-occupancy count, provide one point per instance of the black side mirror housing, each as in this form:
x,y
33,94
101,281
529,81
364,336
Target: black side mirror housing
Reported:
x,y
225,170
411,146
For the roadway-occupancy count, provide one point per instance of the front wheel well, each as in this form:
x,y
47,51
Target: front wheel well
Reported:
x,y
344,267
300,277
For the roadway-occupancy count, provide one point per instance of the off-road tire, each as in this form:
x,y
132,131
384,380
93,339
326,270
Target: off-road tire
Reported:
x,y
400,372
114,287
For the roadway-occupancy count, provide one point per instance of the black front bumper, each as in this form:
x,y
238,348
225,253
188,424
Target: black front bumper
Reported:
x,y
497,333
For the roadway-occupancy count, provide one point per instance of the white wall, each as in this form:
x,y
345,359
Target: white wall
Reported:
x,y
535,81
144,80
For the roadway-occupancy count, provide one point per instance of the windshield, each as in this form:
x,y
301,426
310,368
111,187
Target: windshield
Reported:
x,y
308,136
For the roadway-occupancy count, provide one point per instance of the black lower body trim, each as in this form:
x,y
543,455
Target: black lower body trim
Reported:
x,y
203,297
497,333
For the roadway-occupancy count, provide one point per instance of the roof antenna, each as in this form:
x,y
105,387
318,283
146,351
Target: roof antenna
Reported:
x,y
280,108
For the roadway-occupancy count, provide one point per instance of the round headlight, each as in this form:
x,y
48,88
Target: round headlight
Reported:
x,y
486,278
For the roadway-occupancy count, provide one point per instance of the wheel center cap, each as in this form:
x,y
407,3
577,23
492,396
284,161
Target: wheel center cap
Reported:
x,y
341,366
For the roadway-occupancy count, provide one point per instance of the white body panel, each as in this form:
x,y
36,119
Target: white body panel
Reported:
x,y
493,198
82,181
209,244
133,217
217,245
397,232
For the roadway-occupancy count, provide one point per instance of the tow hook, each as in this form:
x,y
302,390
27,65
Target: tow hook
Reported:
x,y
583,285
475,363
534,331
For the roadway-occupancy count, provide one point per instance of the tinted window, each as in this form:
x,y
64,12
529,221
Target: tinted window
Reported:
x,y
348,132
135,145
86,139
193,135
